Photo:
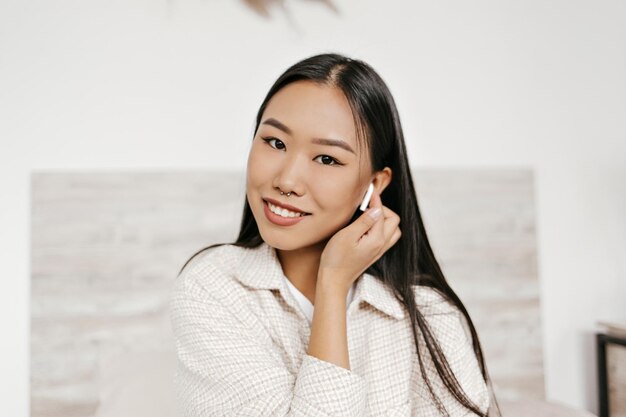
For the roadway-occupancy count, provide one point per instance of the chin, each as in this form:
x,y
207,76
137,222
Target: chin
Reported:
x,y
288,240
282,241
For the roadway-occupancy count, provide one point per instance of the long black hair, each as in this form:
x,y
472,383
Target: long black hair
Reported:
x,y
411,260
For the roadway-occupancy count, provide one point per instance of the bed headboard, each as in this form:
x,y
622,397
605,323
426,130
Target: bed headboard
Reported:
x,y
106,247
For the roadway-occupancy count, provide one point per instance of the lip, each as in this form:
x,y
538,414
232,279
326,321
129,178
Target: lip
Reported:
x,y
279,220
283,205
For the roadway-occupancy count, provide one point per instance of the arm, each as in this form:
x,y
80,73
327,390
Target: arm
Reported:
x,y
223,369
329,339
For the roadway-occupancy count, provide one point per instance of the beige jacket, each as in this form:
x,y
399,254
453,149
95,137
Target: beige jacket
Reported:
x,y
241,341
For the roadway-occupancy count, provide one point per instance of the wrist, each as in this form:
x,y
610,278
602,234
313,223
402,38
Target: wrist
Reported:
x,y
332,284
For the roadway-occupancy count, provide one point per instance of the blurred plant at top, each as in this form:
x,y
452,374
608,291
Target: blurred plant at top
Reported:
x,y
262,7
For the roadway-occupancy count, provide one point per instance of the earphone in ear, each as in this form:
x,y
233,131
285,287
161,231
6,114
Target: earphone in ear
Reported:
x,y
367,198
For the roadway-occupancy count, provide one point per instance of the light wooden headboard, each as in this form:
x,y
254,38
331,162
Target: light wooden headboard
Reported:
x,y
106,247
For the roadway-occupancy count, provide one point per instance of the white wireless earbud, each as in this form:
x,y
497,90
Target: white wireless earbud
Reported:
x,y
366,199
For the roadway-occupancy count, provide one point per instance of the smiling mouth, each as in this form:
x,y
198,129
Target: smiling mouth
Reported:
x,y
283,212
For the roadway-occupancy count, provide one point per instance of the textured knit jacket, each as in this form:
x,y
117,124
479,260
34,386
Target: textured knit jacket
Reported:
x,y
242,339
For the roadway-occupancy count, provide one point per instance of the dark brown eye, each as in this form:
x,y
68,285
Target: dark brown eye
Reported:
x,y
329,159
279,145
269,139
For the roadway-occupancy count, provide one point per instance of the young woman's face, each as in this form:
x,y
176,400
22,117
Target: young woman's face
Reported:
x,y
327,181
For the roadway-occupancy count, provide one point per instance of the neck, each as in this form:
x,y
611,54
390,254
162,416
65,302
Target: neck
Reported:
x,y
301,266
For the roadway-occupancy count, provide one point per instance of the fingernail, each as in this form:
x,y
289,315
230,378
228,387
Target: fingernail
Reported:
x,y
375,213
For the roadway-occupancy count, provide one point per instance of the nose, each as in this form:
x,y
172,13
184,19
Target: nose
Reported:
x,y
290,175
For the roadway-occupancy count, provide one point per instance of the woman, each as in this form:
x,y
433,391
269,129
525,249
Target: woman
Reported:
x,y
319,309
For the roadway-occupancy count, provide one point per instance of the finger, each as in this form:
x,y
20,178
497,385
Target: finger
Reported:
x,y
376,233
388,212
363,224
379,227
391,221
390,227
394,238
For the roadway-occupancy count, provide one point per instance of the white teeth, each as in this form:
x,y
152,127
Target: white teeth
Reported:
x,y
283,212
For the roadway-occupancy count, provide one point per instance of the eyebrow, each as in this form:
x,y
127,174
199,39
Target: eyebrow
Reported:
x,y
320,141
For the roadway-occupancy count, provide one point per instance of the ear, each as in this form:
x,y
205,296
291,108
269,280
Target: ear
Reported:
x,y
381,179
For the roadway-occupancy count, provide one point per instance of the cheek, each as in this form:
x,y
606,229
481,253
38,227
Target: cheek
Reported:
x,y
336,197
256,168
254,179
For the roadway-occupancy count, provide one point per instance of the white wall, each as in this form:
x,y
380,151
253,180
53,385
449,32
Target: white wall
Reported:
x,y
175,84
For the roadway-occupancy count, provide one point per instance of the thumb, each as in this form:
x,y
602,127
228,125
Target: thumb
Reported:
x,y
366,221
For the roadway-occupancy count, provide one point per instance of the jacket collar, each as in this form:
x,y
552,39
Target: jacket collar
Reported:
x,y
260,269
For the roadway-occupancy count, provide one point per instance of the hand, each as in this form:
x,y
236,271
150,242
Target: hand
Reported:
x,y
357,246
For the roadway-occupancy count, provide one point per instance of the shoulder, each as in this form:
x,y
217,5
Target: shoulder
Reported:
x,y
211,256
449,326
442,314
209,268
431,301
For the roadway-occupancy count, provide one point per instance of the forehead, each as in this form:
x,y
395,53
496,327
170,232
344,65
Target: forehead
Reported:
x,y
313,110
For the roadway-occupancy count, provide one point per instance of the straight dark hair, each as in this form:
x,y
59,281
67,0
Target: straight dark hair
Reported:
x,y
411,260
